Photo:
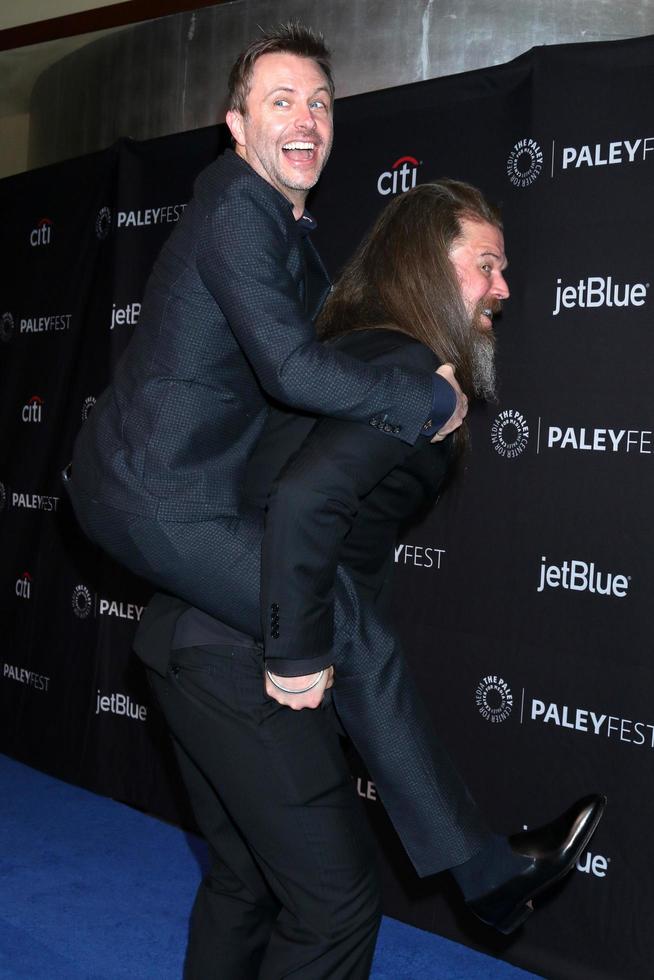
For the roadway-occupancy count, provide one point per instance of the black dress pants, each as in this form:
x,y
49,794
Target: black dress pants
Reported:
x,y
216,566
293,889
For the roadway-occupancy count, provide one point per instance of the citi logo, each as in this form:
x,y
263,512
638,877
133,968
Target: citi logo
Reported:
x,y
42,234
593,864
607,154
125,314
33,410
581,576
120,704
402,176
168,214
24,586
596,291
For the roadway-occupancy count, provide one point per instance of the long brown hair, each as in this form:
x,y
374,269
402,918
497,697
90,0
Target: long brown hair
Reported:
x,y
401,274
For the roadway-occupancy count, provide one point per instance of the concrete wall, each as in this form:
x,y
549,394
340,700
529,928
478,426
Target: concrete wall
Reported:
x,y
168,75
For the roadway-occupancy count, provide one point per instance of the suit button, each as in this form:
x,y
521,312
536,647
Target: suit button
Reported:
x,y
397,429
275,634
428,424
387,427
275,607
374,422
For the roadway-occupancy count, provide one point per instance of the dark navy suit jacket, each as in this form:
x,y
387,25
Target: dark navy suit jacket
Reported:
x,y
223,327
340,497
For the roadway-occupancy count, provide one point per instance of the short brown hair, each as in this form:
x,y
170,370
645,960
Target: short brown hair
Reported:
x,y
290,38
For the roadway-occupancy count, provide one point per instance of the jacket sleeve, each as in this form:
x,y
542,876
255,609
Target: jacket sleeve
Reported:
x,y
311,508
242,255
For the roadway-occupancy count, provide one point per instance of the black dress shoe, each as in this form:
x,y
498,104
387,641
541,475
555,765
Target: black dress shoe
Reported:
x,y
551,851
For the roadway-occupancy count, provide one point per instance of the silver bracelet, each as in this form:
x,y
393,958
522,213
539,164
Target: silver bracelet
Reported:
x,y
301,690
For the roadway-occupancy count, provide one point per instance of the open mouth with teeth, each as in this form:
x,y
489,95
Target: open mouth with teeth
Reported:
x,y
300,151
486,314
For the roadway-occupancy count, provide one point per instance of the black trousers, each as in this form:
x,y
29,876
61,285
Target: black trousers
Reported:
x,y
215,565
293,889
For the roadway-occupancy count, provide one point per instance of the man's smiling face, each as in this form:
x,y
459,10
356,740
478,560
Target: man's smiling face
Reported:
x,y
286,131
479,262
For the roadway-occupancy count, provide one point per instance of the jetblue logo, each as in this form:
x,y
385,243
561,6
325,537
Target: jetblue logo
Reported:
x,y
581,576
120,704
598,291
593,864
125,314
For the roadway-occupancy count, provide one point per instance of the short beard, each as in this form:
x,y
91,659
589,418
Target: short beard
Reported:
x,y
482,358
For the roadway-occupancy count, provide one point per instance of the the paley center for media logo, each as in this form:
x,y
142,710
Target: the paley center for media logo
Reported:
x,y
525,162
510,433
494,699
27,500
85,603
402,176
510,437
527,159
166,214
7,325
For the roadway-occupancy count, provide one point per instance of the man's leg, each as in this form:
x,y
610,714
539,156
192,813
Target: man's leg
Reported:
x,y
215,565
234,910
281,779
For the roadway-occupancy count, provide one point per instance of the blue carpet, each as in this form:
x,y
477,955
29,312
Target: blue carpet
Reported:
x,y
83,895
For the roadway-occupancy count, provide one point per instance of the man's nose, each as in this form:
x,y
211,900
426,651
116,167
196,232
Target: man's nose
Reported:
x,y
501,287
305,118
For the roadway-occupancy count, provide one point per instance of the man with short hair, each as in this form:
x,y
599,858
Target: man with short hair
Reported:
x,y
158,480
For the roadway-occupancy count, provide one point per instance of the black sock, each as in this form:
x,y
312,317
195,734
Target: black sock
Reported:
x,y
489,868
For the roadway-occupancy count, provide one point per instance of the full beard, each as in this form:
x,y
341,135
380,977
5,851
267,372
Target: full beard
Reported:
x,y
482,357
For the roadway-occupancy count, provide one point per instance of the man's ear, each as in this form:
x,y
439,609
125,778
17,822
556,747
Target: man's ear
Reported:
x,y
234,121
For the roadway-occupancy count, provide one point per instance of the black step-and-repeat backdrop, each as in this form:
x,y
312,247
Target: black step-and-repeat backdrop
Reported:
x,y
523,600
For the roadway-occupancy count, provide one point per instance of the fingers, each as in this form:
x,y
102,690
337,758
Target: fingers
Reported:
x,y
457,417
309,699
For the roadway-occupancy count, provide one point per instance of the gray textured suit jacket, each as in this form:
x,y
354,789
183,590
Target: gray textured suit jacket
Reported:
x,y
223,326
